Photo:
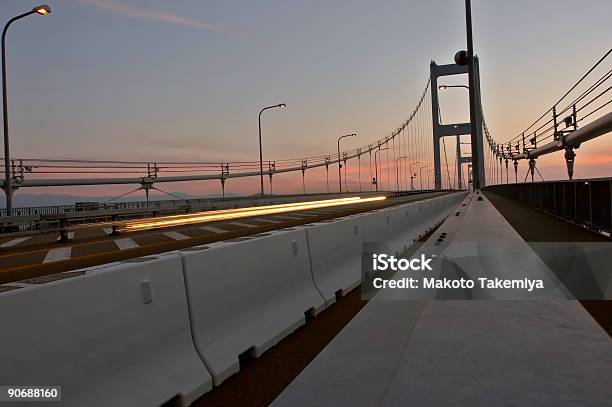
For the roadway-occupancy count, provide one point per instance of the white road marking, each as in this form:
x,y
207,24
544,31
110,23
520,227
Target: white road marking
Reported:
x,y
176,235
242,225
291,217
15,242
213,229
108,231
60,253
268,220
126,243
70,236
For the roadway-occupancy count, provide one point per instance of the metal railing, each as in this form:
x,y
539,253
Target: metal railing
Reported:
x,y
584,202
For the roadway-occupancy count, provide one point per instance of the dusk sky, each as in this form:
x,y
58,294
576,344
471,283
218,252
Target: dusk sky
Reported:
x,y
184,80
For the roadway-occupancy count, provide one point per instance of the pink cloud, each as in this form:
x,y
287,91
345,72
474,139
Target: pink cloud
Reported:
x,y
119,7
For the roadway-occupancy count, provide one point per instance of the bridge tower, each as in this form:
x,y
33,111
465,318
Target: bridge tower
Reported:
x,y
454,129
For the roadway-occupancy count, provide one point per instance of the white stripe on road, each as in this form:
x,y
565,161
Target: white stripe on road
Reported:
x,y
108,231
268,220
15,242
176,235
213,229
70,236
242,225
290,217
61,253
126,243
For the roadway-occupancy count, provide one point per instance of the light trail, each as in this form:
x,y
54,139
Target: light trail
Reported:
x,y
225,214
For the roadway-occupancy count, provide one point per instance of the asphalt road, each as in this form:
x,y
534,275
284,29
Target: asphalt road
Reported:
x,y
41,256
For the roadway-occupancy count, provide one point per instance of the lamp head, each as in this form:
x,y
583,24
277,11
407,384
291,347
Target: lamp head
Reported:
x,y
442,87
282,105
461,58
43,9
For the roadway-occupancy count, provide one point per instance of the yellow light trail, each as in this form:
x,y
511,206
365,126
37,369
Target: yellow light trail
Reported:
x,y
225,214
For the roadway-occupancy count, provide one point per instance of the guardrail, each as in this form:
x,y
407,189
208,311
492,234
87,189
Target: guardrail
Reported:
x,y
586,202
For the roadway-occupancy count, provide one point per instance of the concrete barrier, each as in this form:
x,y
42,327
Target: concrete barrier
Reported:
x,y
335,253
245,295
118,335
143,332
396,227
336,246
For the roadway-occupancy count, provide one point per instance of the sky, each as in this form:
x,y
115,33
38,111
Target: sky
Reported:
x,y
184,80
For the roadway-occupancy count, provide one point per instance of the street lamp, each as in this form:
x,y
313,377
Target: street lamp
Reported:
x,y
376,163
397,171
412,174
339,164
260,153
421,175
42,10
444,87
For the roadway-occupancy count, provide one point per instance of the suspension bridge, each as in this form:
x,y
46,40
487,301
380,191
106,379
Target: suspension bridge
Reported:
x,y
200,301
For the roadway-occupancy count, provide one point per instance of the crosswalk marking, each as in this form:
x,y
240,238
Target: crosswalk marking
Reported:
x,y
242,225
15,242
268,220
70,236
176,235
213,229
126,243
60,253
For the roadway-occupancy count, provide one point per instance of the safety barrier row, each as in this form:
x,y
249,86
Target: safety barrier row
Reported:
x,y
172,326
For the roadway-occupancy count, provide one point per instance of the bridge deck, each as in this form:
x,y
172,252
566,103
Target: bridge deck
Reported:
x,y
544,352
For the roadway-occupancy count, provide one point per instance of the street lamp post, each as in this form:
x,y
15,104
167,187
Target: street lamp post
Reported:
x,y
397,171
444,87
421,175
260,152
339,162
376,163
412,174
472,94
42,10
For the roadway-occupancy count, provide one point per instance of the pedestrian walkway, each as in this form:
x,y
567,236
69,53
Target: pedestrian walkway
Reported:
x,y
460,352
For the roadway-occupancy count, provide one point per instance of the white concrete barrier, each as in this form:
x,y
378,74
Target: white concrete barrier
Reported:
x,y
141,332
398,227
335,253
118,335
382,226
245,296
336,246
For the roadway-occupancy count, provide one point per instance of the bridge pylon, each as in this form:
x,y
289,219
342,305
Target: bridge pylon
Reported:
x,y
454,129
